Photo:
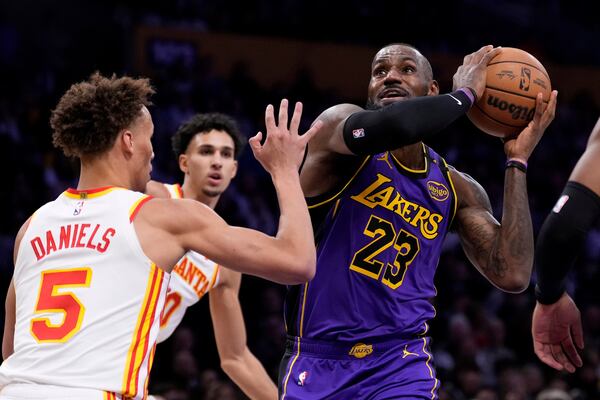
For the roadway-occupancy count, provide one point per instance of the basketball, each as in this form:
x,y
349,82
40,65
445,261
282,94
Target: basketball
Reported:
x,y
514,78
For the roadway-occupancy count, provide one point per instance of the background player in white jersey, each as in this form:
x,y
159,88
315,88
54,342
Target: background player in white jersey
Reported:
x,y
207,147
91,267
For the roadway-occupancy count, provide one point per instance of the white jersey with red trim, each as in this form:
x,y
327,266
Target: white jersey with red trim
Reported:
x,y
193,276
88,300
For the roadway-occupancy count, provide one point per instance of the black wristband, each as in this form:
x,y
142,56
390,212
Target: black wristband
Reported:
x,y
514,163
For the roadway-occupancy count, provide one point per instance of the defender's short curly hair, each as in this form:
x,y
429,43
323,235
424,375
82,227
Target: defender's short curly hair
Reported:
x,y
90,114
204,123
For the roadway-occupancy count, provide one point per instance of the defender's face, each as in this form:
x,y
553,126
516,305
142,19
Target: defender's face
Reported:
x,y
397,73
208,162
142,129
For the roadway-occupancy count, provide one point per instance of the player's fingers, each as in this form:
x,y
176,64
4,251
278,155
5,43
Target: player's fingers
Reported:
x,y
314,129
571,352
539,108
467,59
486,57
560,356
544,354
270,118
295,123
283,114
254,142
478,55
577,333
551,108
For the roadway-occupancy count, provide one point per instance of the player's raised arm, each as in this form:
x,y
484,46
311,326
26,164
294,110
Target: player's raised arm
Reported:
x,y
398,113
288,257
503,252
349,129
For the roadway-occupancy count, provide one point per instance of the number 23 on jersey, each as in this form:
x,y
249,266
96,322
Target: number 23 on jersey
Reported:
x,y
384,235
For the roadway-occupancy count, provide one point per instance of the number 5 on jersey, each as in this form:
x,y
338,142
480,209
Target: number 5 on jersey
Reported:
x,y
52,299
384,235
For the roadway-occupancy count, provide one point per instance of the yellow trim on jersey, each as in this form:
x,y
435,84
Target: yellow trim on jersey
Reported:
x,y
139,343
453,191
416,171
335,208
83,194
175,190
435,383
214,277
345,186
287,378
150,362
303,307
109,396
134,208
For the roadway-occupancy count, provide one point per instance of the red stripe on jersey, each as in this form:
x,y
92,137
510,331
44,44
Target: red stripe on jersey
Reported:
x,y
142,331
179,190
137,208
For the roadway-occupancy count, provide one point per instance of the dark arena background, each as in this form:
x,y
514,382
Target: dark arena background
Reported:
x,y
235,57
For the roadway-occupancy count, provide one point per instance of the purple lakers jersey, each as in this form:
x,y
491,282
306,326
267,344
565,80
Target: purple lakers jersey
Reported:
x,y
378,241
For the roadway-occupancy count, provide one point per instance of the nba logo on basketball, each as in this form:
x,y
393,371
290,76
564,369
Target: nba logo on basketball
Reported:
x,y
302,378
525,79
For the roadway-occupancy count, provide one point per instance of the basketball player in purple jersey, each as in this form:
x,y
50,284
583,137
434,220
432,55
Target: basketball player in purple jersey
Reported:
x,y
382,203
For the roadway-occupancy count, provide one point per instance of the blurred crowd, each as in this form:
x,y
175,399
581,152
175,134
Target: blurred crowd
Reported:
x,y
481,337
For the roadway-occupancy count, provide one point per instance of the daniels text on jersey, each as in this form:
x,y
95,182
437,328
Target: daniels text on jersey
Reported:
x,y
94,237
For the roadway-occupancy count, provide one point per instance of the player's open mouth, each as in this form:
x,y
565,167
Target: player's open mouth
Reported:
x,y
215,178
393,93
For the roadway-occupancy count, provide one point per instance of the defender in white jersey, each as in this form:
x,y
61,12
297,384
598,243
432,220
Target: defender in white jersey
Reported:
x,y
76,250
207,147
91,267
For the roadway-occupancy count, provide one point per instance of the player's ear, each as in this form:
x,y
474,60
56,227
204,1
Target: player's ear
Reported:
x,y
235,168
126,141
434,88
183,163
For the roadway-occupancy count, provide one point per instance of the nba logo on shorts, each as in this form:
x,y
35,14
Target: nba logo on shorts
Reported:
x,y
358,133
302,378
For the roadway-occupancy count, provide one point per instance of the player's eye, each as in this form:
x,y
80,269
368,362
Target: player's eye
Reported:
x,y
379,72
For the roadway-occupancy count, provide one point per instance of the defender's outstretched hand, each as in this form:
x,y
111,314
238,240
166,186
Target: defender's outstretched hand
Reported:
x,y
557,334
283,148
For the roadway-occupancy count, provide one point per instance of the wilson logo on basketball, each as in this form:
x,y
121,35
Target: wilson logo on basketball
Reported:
x,y
361,350
516,111
437,191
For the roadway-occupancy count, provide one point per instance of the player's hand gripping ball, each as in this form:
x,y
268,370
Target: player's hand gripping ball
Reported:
x,y
514,78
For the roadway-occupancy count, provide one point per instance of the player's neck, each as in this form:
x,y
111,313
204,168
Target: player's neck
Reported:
x,y
411,156
100,173
190,192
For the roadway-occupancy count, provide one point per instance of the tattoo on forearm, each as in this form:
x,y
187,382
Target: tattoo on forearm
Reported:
x,y
500,250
